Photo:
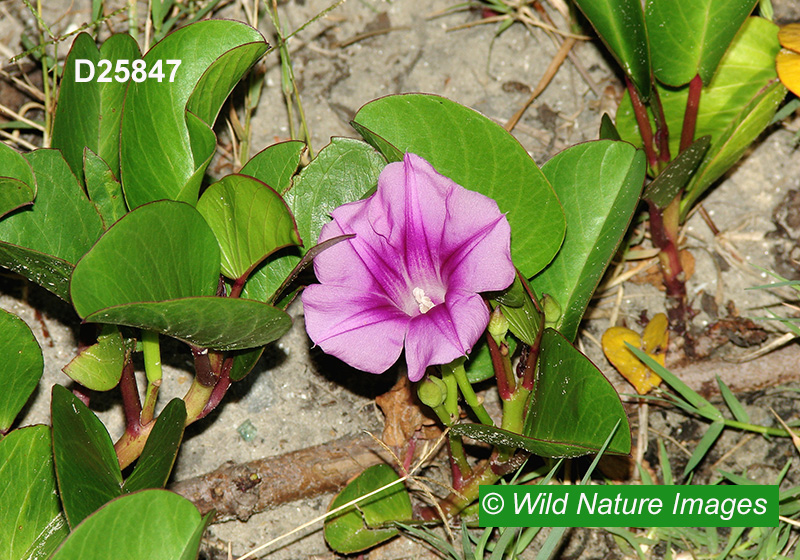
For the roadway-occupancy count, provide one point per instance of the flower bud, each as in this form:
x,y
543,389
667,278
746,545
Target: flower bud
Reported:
x,y
432,392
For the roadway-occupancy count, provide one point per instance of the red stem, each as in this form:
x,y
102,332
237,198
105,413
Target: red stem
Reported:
x,y
690,116
645,131
220,388
670,258
131,404
662,130
504,384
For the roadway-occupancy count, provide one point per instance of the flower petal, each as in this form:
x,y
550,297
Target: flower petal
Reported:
x,y
482,263
363,329
446,332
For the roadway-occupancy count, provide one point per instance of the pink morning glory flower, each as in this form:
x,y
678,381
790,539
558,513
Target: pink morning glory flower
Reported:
x,y
424,249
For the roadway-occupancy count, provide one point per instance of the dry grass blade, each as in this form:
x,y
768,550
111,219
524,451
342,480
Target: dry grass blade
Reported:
x,y
795,437
547,77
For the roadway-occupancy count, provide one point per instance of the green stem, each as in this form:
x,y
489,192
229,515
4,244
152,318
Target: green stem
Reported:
x,y
152,366
451,400
196,399
457,370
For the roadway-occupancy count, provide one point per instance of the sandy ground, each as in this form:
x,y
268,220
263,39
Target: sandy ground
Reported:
x,y
296,397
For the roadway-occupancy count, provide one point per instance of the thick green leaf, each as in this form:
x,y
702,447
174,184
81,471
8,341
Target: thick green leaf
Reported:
x,y
598,184
86,465
152,525
573,405
23,365
737,409
42,242
620,25
99,366
104,190
244,361
250,221
88,112
747,68
17,185
356,528
161,251
276,164
670,182
210,322
479,155
343,171
158,269
31,524
154,465
690,38
607,129
170,120
525,321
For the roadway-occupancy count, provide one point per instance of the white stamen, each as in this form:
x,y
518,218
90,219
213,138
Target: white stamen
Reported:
x,y
425,303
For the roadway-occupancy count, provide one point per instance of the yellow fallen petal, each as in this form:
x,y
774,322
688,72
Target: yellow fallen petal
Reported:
x,y
631,368
656,337
789,36
788,65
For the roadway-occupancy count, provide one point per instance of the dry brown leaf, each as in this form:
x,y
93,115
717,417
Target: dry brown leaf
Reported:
x,y
405,415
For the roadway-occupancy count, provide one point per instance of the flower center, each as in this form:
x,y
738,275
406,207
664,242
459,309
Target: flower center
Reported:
x,y
425,303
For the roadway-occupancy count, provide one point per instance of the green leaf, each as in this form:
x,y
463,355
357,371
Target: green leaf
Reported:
x,y
524,321
598,184
99,366
343,171
356,528
690,38
210,322
86,465
479,155
104,190
704,445
171,121
152,524
161,251
17,185
573,405
155,463
249,220
733,142
607,129
747,68
620,25
23,365
670,182
88,112
44,241
157,269
275,165
31,524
